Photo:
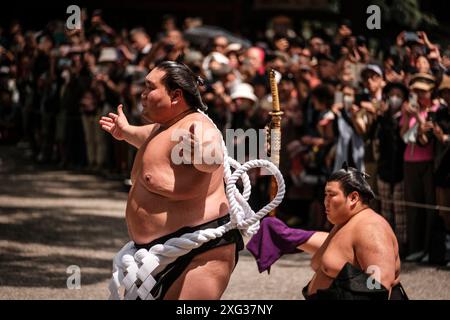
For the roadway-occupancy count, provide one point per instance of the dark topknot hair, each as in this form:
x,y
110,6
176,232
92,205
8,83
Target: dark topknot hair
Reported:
x,y
180,76
351,180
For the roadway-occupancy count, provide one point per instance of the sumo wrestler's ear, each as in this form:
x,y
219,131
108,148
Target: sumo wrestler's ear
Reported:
x,y
354,197
176,95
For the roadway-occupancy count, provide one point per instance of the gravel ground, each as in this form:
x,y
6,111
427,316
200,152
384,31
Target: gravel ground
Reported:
x,y
52,219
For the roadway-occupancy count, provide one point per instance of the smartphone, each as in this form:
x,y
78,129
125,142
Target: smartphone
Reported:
x,y
338,97
413,100
411,37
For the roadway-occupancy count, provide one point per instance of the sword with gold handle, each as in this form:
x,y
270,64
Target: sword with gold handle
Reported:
x,y
274,133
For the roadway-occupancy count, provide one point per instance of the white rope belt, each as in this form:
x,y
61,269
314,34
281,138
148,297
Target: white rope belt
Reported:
x,y
134,270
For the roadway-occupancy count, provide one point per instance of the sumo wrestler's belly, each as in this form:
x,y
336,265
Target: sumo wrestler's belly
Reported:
x,y
151,216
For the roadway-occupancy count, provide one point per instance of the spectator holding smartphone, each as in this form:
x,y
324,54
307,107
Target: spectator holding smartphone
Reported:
x,y
390,161
418,169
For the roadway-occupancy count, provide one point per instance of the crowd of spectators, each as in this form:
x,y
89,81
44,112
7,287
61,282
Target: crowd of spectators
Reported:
x,y
385,110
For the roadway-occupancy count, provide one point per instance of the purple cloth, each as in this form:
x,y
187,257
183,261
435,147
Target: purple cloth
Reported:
x,y
273,239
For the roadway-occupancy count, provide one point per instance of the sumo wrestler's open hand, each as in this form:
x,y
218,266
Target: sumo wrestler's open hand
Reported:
x,y
116,124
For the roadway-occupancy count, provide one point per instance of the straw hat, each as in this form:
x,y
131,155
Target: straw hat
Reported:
x,y
422,81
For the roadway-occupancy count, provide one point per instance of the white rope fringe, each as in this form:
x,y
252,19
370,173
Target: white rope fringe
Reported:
x,y
134,270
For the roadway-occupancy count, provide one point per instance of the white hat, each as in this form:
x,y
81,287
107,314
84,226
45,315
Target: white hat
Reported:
x,y
108,55
220,58
233,47
243,90
374,68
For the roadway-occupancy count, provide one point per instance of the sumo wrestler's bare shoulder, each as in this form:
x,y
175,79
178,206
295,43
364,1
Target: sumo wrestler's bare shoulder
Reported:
x,y
206,132
370,225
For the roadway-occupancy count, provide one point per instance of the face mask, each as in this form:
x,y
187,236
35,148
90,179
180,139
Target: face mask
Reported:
x,y
395,102
348,101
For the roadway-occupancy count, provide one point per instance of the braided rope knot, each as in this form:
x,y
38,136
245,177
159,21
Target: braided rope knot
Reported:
x,y
134,271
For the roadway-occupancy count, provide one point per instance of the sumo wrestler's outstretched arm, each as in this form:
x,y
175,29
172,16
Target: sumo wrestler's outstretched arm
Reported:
x,y
117,125
314,243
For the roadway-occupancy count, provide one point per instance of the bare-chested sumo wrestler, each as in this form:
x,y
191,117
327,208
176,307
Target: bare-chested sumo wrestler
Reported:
x,y
168,199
